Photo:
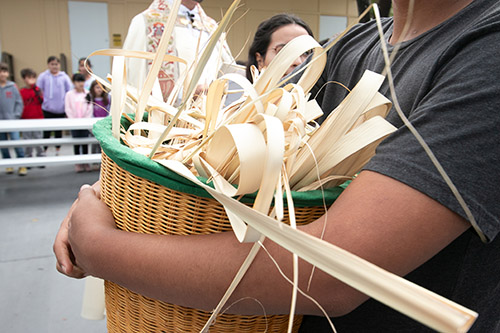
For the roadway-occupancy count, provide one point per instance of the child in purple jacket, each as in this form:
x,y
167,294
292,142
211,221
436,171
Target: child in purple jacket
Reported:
x,y
54,84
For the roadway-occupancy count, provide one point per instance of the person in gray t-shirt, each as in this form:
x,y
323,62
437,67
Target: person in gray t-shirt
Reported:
x,y
446,82
397,214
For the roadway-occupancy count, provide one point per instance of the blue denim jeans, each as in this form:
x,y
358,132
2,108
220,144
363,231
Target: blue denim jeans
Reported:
x,y
13,136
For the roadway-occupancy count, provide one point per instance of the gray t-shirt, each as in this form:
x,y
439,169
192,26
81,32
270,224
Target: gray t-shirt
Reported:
x,y
448,84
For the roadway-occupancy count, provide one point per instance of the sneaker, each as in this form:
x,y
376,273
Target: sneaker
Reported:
x,y
87,167
23,171
9,170
96,167
79,168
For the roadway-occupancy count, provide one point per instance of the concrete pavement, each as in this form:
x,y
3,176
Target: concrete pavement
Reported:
x,y
34,296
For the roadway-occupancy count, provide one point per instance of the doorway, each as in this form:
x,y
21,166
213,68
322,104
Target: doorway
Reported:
x,y
88,25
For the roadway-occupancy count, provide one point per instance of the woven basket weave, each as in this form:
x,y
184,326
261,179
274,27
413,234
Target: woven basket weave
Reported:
x,y
140,205
145,197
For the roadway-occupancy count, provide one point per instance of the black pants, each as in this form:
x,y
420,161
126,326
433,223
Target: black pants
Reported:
x,y
80,134
57,134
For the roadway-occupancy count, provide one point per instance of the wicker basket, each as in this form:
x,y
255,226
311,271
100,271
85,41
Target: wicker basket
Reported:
x,y
143,206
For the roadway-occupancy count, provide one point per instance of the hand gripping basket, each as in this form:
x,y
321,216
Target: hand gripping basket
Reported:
x,y
145,197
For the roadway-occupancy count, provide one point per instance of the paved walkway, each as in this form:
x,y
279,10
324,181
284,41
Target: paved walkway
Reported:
x,y
34,296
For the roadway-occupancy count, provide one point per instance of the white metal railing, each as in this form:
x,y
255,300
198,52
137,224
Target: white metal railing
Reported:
x,y
48,125
47,142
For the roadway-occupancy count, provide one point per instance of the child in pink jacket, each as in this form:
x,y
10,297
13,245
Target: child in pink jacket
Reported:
x,y
77,106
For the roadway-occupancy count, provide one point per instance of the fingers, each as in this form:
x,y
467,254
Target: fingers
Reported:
x,y
86,187
97,188
88,215
62,248
70,270
61,245
87,192
62,251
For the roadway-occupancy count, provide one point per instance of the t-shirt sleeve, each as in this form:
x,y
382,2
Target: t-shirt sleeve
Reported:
x,y
459,118
19,104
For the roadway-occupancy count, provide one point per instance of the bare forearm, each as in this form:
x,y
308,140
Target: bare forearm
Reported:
x,y
162,267
195,271
177,269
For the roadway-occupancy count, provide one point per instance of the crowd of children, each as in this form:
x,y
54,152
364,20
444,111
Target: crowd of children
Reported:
x,y
52,95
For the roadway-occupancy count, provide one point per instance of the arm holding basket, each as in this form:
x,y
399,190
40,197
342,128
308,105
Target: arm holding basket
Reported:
x,y
179,269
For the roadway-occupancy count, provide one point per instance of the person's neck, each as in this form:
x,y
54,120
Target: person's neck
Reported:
x,y
189,4
3,83
426,14
80,90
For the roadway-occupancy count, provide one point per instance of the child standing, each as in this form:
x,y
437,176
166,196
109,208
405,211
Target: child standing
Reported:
x,y
32,98
99,98
11,107
86,74
77,106
54,84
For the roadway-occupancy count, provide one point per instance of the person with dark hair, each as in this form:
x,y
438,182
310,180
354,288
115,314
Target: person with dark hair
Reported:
x,y
33,99
54,84
99,99
100,102
77,106
270,37
11,107
83,70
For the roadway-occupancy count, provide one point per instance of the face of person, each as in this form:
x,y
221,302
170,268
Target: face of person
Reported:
x,y
54,66
81,67
4,76
279,39
79,85
29,80
97,90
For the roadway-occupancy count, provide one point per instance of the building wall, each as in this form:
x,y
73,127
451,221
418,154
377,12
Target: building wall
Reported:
x,y
32,30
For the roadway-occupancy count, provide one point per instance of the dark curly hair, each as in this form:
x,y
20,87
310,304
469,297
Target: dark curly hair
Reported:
x,y
27,72
263,34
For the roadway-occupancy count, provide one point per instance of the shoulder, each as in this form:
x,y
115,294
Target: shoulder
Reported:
x,y
40,81
12,85
481,20
207,20
43,74
137,21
